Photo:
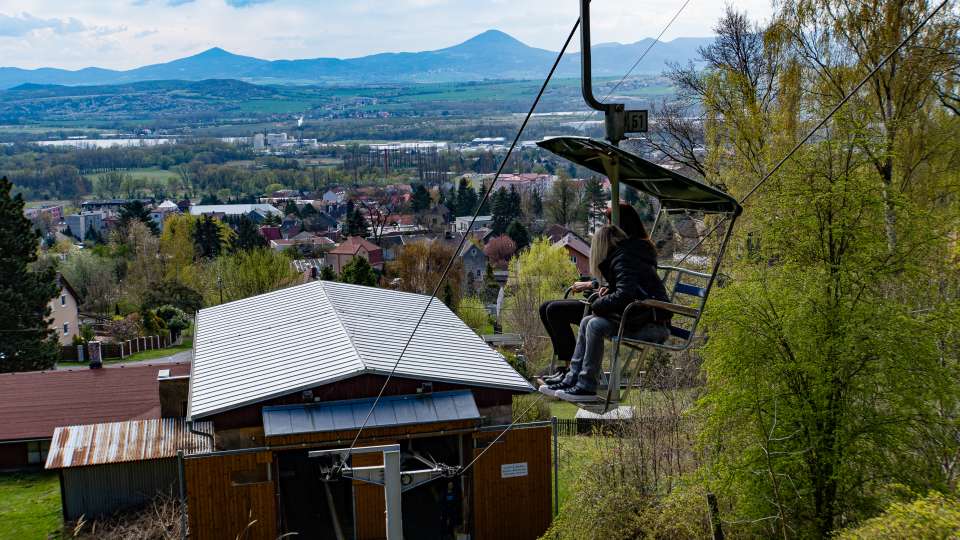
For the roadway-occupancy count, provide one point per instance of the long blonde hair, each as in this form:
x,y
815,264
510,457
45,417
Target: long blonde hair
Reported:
x,y
604,240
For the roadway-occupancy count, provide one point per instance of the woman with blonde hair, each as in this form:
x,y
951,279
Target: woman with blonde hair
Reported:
x,y
628,266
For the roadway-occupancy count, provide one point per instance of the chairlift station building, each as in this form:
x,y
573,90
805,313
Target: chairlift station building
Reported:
x,y
298,369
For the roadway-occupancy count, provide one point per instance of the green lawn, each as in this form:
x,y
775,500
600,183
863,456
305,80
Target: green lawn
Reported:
x,y
151,354
29,506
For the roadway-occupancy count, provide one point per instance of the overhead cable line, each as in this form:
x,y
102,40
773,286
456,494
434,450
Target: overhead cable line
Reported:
x,y
635,64
821,123
522,414
473,220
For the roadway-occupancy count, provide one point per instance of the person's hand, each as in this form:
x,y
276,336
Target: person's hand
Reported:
x,y
603,291
580,286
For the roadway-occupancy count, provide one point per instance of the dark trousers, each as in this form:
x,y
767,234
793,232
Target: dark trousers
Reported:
x,y
558,316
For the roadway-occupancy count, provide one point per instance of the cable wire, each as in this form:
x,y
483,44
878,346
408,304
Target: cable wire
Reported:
x,y
635,64
821,123
501,434
476,213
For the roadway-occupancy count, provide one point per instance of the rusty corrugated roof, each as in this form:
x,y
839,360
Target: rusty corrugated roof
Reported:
x,y
118,442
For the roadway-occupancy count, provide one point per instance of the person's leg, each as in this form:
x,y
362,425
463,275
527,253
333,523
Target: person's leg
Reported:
x,y
575,362
597,328
561,315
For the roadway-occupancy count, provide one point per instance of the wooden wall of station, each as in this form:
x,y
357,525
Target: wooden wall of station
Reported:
x,y
512,485
510,491
228,492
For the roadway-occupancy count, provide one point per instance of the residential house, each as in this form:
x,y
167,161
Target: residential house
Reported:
x,y
256,211
355,247
53,212
290,226
33,404
578,251
65,312
270,232
269,414
474,265
462,223
162,212
307,242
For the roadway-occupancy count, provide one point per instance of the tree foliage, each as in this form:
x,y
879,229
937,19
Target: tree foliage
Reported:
x,y
359,272
831,367
419,265
26,341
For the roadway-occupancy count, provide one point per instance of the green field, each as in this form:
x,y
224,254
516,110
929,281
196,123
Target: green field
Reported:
x,y
150,175
29,506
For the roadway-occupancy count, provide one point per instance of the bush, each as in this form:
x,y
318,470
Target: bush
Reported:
x,y
933,516
524,409
474,313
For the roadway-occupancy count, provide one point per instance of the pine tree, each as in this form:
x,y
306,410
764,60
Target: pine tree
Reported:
x,y
595,201
136,211
359,272
248,236
291,208
206,238
466,198
519,234
26,340
92,236
356,224
500,211
536,204
421,199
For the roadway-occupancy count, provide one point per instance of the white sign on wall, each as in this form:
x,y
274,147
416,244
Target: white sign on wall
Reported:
x,y
513,470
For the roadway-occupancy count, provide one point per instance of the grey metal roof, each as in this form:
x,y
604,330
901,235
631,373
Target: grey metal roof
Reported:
x,y
233,209
390,411
118,442
321,332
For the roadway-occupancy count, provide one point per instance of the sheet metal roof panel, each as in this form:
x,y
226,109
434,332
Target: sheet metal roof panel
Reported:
x,y
390,411
314,334
119,442
268,345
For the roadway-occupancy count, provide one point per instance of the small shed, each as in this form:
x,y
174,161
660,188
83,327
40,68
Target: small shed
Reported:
x,y
105,468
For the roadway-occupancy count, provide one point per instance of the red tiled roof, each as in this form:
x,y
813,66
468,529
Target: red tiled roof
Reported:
x,y
33,404
350,246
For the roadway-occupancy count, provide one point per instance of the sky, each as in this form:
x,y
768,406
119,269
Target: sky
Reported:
x,y
123,34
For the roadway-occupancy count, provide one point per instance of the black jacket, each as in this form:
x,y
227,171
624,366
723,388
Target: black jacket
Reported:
x,y
630,271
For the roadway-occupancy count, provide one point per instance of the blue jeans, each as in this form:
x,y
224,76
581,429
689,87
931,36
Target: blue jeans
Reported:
x,y
588,354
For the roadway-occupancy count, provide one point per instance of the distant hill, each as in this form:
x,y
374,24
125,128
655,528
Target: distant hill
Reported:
x,y
490,55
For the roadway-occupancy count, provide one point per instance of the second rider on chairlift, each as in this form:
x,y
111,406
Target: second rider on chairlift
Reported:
x,y
628,266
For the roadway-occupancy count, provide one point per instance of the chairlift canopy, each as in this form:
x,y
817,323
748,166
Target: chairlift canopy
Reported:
x,y
672,189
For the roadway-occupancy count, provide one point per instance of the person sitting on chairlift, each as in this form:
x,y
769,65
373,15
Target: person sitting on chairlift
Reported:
x,y
558,316
628,266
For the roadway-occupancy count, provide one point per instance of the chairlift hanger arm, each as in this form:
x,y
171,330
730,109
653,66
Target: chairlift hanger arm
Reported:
x,y
617,120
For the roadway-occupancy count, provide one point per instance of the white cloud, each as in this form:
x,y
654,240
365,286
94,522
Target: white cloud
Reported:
x,y
125,34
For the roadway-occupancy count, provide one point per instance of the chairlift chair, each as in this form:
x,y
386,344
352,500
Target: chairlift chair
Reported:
x,y
688,288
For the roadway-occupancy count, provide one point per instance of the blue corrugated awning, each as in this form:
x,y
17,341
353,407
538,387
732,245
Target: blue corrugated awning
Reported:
x,y
349,414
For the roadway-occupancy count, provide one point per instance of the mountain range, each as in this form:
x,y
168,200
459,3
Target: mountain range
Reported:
x,y
490,55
